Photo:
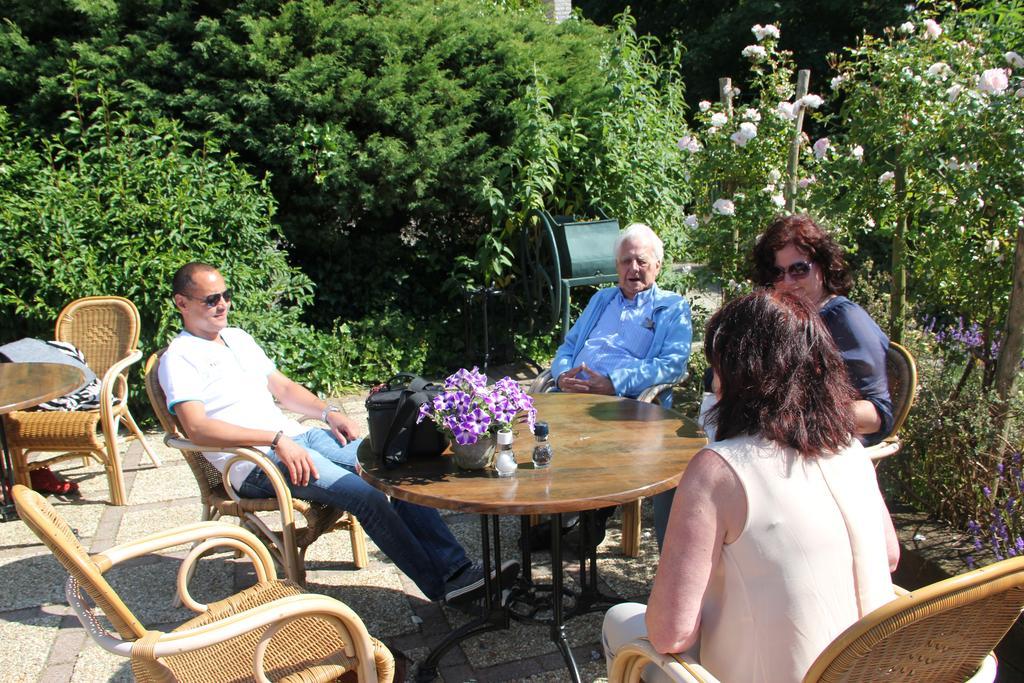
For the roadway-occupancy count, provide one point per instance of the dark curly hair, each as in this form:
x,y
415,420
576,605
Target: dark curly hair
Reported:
x,y
802,232
780,373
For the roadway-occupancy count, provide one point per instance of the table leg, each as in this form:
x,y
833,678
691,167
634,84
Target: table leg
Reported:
x,y
7,510
590,598
494,616
557,627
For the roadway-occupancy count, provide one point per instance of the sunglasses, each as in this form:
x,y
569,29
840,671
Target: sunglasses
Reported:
x,y
797,271
213,299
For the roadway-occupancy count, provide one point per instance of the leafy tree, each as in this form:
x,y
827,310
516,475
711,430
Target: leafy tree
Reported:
x,y
112,206
376,120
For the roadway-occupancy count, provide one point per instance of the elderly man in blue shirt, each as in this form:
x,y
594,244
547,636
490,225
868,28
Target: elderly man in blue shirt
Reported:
x,y
629,337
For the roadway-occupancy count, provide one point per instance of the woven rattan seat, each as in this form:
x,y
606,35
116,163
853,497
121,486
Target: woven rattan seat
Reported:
x,y
290,542
942,633
631,523
310,637
106,330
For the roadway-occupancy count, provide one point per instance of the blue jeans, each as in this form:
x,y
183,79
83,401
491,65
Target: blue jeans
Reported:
x,y
414,537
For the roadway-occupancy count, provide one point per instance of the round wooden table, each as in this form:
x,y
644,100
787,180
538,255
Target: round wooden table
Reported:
x,y
607,450
23,385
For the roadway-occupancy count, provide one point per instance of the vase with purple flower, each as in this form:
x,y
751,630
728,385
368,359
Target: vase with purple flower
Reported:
x,y
471,413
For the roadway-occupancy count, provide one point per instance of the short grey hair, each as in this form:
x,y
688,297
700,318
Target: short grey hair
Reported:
x,y
641,232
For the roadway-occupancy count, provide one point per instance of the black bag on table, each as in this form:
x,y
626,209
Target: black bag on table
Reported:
x,y
392,409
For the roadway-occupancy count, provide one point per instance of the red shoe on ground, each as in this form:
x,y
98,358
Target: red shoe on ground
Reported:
x,y
45,481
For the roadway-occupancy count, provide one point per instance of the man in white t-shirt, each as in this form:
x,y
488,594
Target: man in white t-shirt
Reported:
x,y
226,392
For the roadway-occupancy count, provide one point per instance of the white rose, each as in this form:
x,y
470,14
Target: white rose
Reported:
x,y
906,27
724,207
704,105
836,80
886,177
774,175
953,92
785,110
778,200
690,221
932,29
857,152
751,114
719,119
745,134
870,222
993,81
820,148
688,143
952,164
766,31
804,183
939,70
812,101
754,53
1014,59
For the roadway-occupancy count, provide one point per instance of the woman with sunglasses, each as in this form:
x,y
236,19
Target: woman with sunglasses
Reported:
x,y
796,255
779,538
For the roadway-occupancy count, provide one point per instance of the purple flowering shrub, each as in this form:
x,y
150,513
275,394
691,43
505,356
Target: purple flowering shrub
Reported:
x,y
1001,526
949,465
468,409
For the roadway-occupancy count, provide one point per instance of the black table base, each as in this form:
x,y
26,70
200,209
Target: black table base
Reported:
x,y
528,601
8,513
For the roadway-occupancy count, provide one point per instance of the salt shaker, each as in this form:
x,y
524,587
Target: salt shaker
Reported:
x,y
505,462
542,449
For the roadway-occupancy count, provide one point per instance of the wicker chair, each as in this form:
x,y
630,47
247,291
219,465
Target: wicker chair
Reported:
x,y
902,372
272,629
106,330
545,383
289,545
942,633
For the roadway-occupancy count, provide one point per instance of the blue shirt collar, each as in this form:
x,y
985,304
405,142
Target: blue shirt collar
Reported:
x,y
643,298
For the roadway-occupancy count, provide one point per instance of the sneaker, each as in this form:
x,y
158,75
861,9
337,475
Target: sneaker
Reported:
x,y
468,584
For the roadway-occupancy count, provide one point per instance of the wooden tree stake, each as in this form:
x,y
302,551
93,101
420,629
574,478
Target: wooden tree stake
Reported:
x,y
803,81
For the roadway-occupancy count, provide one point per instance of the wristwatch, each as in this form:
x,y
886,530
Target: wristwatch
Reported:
x,y
329,408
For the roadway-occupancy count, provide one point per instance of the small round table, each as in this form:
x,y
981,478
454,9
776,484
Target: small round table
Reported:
x,y
23,385
607,450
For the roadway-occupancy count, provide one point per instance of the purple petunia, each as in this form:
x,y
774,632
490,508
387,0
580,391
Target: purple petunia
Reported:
x,y
467,409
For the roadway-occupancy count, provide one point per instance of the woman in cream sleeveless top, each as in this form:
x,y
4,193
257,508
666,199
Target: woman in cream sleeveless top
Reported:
x,y
779,538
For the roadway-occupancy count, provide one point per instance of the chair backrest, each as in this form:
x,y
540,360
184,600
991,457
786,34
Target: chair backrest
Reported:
x,y
104,328
902,373
941,632
207,476
52,530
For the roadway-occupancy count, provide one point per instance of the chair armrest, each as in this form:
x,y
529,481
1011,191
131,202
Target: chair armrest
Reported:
x,y
110,377
206,536
884,449
245,454
282,493
651,393
543,383
275,615
633,657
